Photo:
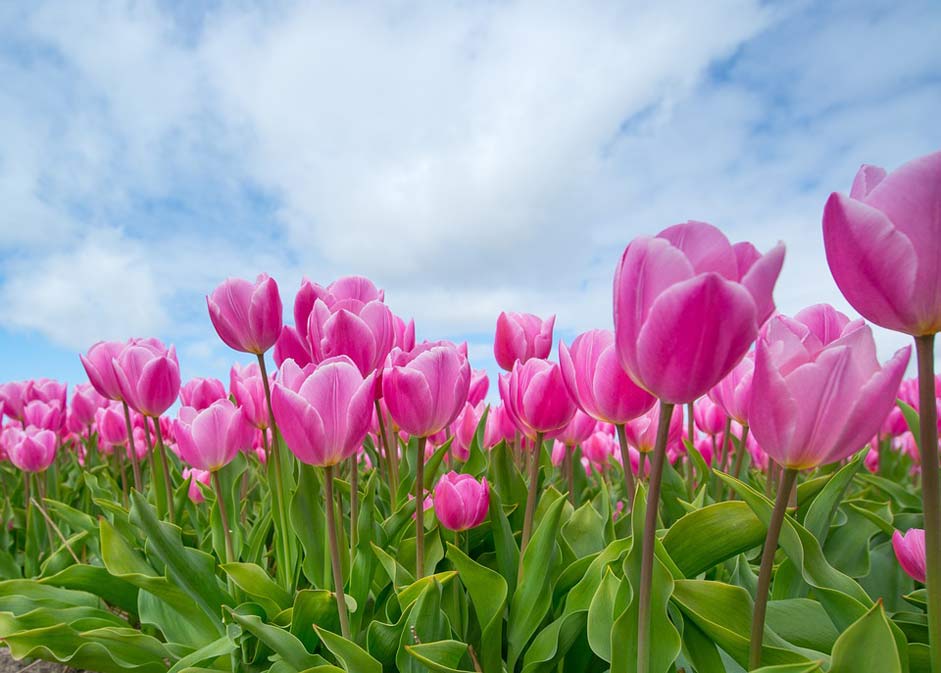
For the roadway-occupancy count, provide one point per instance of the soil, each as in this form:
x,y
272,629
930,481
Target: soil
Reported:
x,y
9,665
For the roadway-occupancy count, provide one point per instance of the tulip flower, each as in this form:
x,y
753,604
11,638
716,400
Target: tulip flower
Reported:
x,y
196,478
883,247
199,393
361,331
291,346
818,396
210,438
356,288
324,413
405,335
34,450
464,428
461,502
44,415
910,552
13,399
687,307
479,384
521,336
248,389
425,389
247,316
85,403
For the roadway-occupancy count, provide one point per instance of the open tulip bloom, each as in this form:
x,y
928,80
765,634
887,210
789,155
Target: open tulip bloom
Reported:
x,y
374,504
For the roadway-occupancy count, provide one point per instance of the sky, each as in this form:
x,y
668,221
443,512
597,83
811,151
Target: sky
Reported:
x,y
469,157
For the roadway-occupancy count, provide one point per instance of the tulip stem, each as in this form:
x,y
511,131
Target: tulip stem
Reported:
x,y
119,457
569,470
690,424
132,454
159,496
788,478
354,500
391,456
931,496
335,554
629,485
649,539
224,518
739,456
420,509
165,465
531,496
282,549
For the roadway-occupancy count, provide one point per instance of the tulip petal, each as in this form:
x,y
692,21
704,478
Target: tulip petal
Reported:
x,y
705,246
772,412
760,279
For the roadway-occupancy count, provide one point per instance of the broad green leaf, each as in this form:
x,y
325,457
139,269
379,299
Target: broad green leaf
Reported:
x,y
867,646
97,580
442,656
255,582
488,592
802,622
350,655
289,648
704,538
426,623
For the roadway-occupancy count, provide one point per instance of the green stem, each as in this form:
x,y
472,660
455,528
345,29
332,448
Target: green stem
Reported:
x,y
159,495
931,496
531,496
335,554
767,564
224,518
420,509
354,500
629,485
391,455
649,539
132,453
165,465
690,424
569,471
739,456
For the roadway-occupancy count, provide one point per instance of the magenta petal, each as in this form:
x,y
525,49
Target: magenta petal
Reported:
x,y
866,180
773,410
910,552
705,246
760,279
300,425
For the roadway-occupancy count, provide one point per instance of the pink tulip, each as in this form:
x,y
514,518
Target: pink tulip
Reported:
x,y
44,415
599,448
910,552
709,416
521,336
596,381
426,388
687,306
348,287
816,403
404,334
85,402
641,432
210,439
196,478
323,412
248,388
361,331
112,430
13,397
148,376
883,245
247,316
47,390
733,392
536,397
577,430
199,393
479,385
871,461
464,428
461,502
704,446
500,427
291,346
34,451
98,365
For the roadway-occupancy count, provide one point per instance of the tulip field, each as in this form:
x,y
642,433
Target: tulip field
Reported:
x,y
710,487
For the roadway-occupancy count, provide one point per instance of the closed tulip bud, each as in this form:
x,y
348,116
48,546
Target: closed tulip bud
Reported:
x,y
461,502
199,393
85,402
499,427
871,461
687,307
149,376
709,416
112,430
426,388
641,432
598,448
883,245
537,397
733,392
34,451
361,331
576,430
47,390
196,478
521,336
597,382
98,365
323,412
910,552
813,402
44,415
479,385
210,439
247,316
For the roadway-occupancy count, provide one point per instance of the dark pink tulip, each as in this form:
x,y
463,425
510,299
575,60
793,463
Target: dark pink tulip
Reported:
x,y
47,390
910,552
883,245
597,382
149,376
479,385
687,307
816,403
599,448
461,502
404,333
357,288
98,365
85,402
247,316
709,416
362,332
521,336
196,478
13,397
642,431
500,427
291,346
463,429
871,461
537,397
426,388
577,430
34,451
112,430
704,446
248,388
210,439
44,415
199,393
559,452
323,412
733,392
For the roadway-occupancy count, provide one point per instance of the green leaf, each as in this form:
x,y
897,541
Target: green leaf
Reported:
x,y
507,551
610,600
584,531
802,622
426,623
488,592
809,667
289,648
350,655
97,580
867,646
704,538
824,505
308,519
217,648
313,607
255,582
442,656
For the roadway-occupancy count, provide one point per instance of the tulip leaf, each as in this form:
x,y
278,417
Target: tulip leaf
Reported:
x,y
97,580
706,537
308,519
821,511
255,582
426,623
350,655
442,656
488,592
809,667
505,546
289,648
867,646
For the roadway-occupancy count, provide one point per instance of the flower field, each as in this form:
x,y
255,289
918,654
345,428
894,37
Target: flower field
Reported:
x,y
710,487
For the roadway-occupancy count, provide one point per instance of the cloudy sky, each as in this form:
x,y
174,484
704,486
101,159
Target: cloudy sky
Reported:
x,y
468,156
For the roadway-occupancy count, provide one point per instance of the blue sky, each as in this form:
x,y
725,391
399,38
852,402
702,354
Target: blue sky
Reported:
x,y
469,157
